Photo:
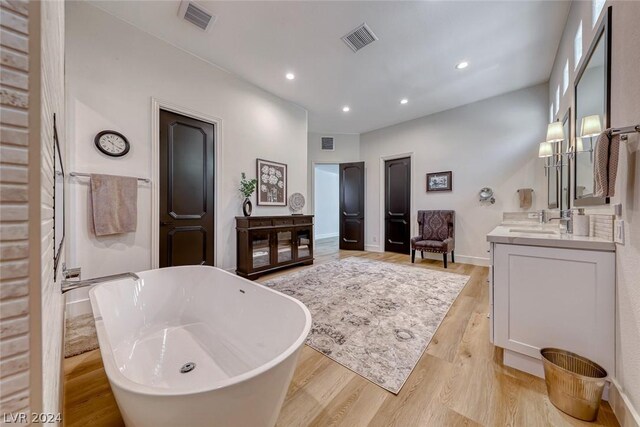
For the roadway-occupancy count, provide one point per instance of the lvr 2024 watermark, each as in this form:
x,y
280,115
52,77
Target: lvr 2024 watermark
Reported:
x,y
33,418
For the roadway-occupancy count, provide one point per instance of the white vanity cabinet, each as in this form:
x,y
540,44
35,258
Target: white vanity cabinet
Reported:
x,y
552,297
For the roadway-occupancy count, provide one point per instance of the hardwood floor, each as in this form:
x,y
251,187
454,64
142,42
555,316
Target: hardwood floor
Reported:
x,y
459,381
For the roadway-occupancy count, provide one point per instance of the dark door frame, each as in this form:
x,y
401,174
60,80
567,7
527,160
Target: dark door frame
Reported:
x,y
156,106
381,195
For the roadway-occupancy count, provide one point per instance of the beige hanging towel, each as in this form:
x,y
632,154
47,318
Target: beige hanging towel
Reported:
x,y
605,164
526,197
114,201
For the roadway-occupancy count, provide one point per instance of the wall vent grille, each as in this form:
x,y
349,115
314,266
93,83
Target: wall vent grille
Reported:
x,y
196,15
360,37
327,143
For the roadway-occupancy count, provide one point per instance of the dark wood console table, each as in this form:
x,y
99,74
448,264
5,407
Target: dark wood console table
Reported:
x,y
269,243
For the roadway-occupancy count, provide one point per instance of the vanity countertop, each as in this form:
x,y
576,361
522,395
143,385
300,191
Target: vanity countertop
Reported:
x,y
524,234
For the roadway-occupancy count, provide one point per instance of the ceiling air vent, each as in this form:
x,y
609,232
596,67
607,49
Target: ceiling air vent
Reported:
x,y
196,14
360,37
327,143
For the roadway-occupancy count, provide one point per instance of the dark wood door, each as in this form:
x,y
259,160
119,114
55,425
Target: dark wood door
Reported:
x,y
397,205
186,190
352,206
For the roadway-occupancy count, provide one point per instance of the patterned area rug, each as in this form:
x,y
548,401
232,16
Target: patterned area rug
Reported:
x,y
373,317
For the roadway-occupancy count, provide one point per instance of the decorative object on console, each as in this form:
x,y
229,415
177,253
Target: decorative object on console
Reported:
x,y
272,183
486,195
526,197
112,143
247,187
296,203
440,181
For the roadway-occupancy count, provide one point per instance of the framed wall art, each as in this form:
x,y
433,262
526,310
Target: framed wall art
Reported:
x,y
272,183
439,181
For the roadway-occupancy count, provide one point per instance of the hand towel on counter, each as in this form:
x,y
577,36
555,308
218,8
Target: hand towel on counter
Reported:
x,y
605,165
526,197
114,201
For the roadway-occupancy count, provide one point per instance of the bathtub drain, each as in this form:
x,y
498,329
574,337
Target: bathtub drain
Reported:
x,y
187,367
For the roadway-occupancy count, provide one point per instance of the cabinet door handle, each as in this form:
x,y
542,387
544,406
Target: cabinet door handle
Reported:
x,y
166,223
349,241
348,214
394,243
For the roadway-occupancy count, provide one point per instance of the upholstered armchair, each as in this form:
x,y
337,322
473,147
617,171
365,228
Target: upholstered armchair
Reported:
x,y
436,234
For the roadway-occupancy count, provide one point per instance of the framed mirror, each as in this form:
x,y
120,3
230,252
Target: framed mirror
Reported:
x,y
591,110
565,180
58,200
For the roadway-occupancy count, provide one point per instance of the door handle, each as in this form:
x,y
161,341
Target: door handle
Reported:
x,y
348,214
395,243
349,241
395,214
166,223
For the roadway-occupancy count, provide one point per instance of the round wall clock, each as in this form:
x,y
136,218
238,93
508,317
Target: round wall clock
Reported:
x,y
112,143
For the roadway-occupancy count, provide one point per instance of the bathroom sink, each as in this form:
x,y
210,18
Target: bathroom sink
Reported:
x,y
532,231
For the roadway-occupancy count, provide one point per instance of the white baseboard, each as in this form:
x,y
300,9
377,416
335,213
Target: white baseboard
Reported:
x,y
326,236
627,415
462,259
77,308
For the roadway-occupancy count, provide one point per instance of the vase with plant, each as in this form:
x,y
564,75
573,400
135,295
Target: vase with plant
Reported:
x,y
247,187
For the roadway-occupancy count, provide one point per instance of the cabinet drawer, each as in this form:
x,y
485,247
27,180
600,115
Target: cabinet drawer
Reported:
x,y
259,223
301,221
283,221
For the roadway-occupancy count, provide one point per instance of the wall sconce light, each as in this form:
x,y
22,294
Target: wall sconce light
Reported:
x,y
590,127
555,132
545,151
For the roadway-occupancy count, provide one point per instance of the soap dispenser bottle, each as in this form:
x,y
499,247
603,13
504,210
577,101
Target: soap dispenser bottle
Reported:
x,y
580,223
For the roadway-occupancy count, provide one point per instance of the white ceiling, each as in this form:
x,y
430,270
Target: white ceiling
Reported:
x,y
508,44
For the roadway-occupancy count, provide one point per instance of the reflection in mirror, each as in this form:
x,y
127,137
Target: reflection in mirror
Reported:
x,y
552,180
564,166
591,114
58,200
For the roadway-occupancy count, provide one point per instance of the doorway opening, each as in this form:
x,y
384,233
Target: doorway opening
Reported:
x,y
326,205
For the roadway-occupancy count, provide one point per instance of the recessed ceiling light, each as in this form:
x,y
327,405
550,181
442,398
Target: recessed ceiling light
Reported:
x,y
462,65
290,76
404,101
346,108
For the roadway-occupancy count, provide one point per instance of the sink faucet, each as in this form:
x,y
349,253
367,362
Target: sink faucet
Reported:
x,y
69,285
566,218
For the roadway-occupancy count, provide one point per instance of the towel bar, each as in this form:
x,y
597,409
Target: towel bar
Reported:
x,y
87,175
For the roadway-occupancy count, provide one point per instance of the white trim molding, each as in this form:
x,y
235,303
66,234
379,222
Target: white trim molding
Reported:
x,y
156,106
627,415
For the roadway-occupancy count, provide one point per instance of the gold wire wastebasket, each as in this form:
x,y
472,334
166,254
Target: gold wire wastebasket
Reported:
x,y
574,383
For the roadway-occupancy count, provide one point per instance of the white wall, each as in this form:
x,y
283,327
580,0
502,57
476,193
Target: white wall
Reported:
x,y
625,111
53,101
490,143
326,201
113,71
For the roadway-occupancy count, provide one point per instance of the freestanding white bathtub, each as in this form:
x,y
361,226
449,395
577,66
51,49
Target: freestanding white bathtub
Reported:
x,y
238,342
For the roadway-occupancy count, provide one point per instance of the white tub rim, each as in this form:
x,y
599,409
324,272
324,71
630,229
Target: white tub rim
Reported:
x,y
118,379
